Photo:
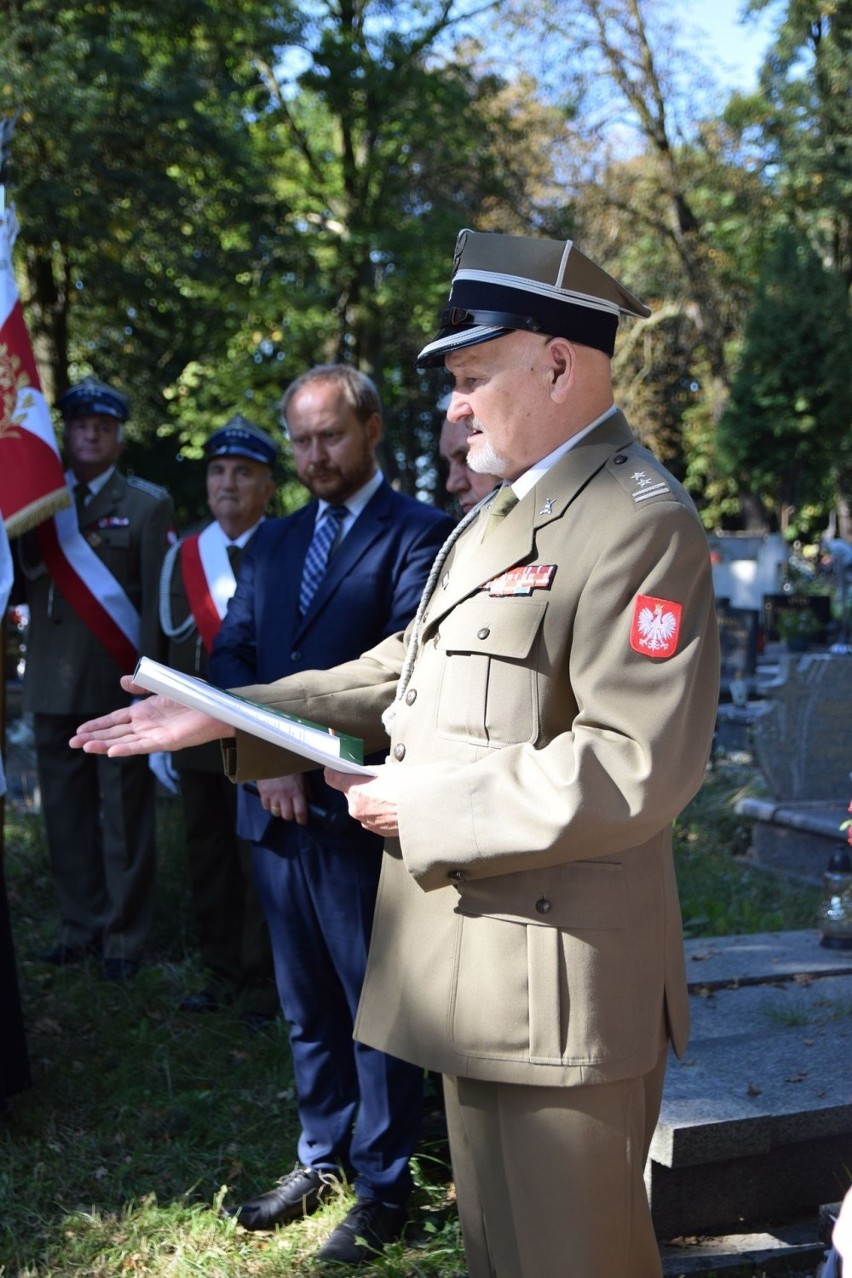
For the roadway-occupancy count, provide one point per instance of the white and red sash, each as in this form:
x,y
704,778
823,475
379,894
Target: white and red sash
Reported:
x,y
93,592
208,579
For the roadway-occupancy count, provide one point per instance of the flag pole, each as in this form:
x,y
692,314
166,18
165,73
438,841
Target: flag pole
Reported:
x,y
14,1065
7,128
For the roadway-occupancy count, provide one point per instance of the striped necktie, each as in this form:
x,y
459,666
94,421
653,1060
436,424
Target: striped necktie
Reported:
x,y
316,560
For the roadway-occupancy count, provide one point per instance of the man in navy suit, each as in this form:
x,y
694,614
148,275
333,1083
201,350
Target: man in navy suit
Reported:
x,y
315,589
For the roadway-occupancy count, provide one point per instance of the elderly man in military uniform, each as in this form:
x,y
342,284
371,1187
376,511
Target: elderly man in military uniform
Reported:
x,y
550,710
91,578
199,577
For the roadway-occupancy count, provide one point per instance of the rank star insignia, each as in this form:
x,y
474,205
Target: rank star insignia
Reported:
x,y
655,627
547,508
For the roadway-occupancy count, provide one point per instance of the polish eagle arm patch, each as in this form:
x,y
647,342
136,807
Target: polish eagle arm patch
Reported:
x,y
655,628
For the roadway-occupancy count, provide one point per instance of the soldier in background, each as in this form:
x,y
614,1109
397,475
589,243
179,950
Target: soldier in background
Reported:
x,y
199,577
90,577
466,485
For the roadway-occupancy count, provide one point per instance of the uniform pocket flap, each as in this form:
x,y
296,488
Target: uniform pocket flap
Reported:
x,y
578,896
495,627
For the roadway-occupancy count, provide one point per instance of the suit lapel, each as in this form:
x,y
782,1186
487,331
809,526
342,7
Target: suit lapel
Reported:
x,y
369,526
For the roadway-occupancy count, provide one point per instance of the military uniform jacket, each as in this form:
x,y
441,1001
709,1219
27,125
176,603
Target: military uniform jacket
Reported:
x,y
68,671
527,926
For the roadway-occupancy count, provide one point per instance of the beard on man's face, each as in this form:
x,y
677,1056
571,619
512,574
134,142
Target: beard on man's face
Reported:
x,y
482,456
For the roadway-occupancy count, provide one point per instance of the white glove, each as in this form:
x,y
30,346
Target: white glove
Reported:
x,y
160,763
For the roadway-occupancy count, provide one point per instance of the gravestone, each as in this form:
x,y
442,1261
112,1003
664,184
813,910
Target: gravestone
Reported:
x,y
738,629
803,742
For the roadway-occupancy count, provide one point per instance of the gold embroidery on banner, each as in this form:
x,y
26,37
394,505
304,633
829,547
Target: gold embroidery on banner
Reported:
x,y
12,382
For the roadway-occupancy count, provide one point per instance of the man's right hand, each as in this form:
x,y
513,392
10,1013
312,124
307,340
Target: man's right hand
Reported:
x,y
285,797
154,723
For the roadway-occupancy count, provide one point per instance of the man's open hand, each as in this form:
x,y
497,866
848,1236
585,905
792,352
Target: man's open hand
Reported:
x,y
154,723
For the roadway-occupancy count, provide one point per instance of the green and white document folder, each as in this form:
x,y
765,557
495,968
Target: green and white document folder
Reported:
x,y
311,740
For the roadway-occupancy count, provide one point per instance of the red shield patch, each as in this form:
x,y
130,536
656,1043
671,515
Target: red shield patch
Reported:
x,y
656,626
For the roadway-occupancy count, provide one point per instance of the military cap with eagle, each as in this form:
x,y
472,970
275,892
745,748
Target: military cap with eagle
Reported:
x,y
503,283
92,396
241,438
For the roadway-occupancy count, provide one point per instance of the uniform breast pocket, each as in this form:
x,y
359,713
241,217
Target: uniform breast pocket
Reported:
x,y
111,542
112,545
489,691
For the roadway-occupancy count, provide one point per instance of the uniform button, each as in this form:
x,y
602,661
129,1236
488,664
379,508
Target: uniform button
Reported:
x,y
456,875
484,632
620,459
295,655
411,696
543,905
399,752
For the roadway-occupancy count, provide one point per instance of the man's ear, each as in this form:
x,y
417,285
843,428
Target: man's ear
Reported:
x,y
373,427
563,365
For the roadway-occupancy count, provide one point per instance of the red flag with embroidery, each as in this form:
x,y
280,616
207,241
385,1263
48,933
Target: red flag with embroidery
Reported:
x,y
32,481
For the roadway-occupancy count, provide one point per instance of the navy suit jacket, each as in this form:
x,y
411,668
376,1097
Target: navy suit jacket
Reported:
x,y
370,590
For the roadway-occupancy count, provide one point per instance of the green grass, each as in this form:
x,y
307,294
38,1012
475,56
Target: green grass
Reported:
x,y
720,893
142,1120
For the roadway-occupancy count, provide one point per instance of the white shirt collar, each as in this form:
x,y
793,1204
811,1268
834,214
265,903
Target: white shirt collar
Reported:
x,y
243,537
354,504
526,482
94,485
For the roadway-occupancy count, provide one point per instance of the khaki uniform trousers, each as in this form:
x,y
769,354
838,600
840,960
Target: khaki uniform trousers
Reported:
x,y
549,1180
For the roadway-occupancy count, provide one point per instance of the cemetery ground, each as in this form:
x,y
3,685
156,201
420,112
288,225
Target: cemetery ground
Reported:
x,y
143,1120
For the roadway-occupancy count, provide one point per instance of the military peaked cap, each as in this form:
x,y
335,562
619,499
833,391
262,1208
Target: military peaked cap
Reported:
x,y
92,396
241,438
503,283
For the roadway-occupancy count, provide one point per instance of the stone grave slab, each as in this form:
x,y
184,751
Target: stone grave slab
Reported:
x,y
794,839
756,1121
803,742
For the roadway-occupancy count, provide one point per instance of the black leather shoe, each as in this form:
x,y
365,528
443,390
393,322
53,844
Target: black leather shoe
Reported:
x,y
116,969
63,955
363,1232
300,1193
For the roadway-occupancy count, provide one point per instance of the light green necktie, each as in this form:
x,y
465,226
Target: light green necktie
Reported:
x,y
499,508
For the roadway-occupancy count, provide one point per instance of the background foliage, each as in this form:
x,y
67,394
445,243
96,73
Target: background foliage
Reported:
x,y
213,197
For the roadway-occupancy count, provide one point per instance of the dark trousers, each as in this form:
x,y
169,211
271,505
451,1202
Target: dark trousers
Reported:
x,y
14,1061
99,815
359,1108
232,932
